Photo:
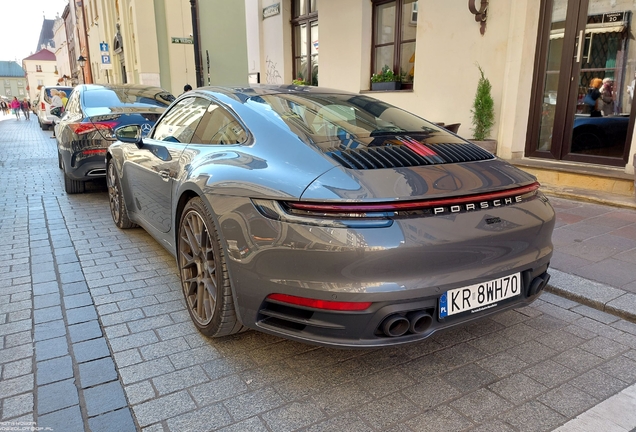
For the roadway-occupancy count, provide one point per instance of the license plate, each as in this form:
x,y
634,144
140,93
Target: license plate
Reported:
x,y
478,297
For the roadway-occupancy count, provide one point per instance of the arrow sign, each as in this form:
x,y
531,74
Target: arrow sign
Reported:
x,y
103,46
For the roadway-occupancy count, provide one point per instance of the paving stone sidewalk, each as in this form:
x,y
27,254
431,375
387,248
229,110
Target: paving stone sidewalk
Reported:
x,y
94,335
594,260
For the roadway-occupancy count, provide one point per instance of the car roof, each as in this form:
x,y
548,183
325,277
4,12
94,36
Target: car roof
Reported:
x,y
89,87
246,92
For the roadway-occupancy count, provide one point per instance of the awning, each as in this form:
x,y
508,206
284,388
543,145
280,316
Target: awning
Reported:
x,y
613,27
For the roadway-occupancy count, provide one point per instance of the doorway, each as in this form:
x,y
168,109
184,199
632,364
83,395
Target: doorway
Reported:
x,y
583,97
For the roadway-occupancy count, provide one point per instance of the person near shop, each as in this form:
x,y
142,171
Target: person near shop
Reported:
x,y
186,88
593,98
607,96
15,106
25,106
3,107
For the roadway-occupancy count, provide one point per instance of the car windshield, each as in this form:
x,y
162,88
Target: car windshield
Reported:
x,y
328,116
105,97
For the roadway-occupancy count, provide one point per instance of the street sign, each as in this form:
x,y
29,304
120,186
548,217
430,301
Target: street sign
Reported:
x,y
103,47
106,62
182,40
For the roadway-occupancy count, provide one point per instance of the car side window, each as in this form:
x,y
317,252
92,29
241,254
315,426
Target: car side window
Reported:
x,y
179,124
219,126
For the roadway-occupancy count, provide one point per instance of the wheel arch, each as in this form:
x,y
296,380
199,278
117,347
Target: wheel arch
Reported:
x,y
185,196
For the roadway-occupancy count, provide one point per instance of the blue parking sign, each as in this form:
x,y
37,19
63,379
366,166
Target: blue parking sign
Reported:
x,y
105,59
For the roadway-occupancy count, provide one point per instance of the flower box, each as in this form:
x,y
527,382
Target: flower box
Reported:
x,y
386,86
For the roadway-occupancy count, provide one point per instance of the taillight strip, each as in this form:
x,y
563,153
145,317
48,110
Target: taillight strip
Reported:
x,y
412,205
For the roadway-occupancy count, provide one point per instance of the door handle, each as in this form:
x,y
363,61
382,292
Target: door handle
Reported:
x,y
580,47
165,175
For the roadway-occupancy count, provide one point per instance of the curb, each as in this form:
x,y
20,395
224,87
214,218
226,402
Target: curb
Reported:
x,y
593,294
594,197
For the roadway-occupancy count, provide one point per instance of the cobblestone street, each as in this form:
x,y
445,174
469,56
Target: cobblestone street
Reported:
x,y
94,335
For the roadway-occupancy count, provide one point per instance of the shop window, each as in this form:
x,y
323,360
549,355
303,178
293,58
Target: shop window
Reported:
x,y
394,34
305,41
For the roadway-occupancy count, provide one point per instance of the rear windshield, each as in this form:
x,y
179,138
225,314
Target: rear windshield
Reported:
x,y
126,97
325,117
47,92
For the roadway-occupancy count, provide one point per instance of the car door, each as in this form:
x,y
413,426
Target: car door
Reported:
x,y
152,168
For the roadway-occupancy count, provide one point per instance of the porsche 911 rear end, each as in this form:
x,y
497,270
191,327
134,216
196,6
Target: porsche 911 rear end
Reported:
x,y
400,239
345,221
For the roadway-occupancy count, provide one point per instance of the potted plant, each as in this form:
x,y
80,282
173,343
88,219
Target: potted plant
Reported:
x,y
386,79
483,112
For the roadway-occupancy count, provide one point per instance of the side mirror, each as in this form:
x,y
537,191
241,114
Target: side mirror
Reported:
x,y
129,134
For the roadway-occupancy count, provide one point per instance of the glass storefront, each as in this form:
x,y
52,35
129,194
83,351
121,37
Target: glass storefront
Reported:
x,y
587,65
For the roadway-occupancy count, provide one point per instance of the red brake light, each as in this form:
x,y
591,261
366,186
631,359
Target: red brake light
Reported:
x,y
411,205
320,304
84,128
43,107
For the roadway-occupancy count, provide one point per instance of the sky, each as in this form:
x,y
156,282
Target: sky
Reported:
x,y
21,25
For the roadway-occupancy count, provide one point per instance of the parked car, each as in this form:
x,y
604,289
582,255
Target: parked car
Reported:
x,y
328,217
87,128
43,105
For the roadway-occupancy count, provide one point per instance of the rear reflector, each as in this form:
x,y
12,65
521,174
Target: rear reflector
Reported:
x,y
320,304
94,152
411,205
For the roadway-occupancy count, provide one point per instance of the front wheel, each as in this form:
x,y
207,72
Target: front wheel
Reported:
x,y
204,277
116,199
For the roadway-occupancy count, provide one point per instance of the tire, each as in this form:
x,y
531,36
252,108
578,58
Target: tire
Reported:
x,y
73,186
204,277
59,161
41,125
118,209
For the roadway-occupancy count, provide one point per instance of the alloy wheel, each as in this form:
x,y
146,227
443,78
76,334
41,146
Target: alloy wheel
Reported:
x,y
197,262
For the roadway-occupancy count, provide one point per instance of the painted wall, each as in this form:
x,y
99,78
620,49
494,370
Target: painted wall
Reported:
x,y
252,30
180,57
48,77
61,48
275,44
223,36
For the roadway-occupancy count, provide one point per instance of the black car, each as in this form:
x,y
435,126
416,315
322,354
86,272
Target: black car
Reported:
x,y
88,124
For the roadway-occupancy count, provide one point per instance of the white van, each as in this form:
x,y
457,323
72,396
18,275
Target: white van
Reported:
x,y
43,108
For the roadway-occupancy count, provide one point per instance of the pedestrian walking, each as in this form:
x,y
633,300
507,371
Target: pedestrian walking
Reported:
x,y
26,109
15,106
3,107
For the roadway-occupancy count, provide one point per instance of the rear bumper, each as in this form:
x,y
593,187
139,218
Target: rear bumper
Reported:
x,y
79,166
402,268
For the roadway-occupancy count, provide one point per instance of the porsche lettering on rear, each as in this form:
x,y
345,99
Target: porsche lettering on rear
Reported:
x,y
477,206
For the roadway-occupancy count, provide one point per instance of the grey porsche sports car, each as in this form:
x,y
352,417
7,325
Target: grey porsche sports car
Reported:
x,y
329,217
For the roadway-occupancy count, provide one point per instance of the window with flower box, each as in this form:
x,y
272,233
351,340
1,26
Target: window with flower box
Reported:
x,y
394,34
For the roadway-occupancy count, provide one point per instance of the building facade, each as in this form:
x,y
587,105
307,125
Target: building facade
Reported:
x,y
131,41
61,49
41,70
12,80
530,50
